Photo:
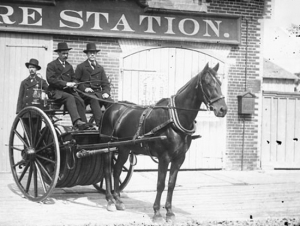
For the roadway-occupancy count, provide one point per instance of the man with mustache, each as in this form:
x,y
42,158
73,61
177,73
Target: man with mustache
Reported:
x,y
60,76
29,84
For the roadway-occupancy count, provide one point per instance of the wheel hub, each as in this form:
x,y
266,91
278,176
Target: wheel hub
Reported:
x,y
29,154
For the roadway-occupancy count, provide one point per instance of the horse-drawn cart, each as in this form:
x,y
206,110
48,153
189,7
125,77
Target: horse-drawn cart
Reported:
x,y
45,155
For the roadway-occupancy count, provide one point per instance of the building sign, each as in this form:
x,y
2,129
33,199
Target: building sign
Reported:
x,y
118,19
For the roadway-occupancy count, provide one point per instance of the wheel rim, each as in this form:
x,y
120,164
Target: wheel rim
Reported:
x,y
127,171
34,154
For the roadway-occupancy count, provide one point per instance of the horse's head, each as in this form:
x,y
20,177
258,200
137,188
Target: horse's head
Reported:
x,y
210,86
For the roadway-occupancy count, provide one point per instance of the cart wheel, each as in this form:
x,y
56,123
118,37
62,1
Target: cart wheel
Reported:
x,y
125,176
34,154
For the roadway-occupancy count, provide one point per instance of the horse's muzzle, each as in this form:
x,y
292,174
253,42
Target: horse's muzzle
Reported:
x,y
219,111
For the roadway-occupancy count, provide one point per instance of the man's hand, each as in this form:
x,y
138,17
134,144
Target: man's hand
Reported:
x,y
88,90
71,84
105,95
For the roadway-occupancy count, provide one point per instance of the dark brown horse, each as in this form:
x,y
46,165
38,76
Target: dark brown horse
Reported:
x,y
171,117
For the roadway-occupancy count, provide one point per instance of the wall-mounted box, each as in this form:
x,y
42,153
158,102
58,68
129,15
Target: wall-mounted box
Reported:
x,y
246,102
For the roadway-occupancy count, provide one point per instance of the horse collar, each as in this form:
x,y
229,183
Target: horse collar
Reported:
x,y
174,116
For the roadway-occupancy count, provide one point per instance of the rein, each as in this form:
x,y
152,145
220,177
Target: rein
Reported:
x,y
136,105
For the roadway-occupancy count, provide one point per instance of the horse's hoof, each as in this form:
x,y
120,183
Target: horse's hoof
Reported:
x,y
158,219
170,218
111,206
120,206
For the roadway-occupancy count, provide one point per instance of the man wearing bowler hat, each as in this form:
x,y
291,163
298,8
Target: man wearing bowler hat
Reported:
x,y
94,82
28,85
60,76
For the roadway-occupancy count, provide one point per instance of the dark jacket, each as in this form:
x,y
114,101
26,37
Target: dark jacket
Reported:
x,y
26,91
96,78
57,77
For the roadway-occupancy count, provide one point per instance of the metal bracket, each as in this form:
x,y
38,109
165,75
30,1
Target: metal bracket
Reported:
x,y
30,46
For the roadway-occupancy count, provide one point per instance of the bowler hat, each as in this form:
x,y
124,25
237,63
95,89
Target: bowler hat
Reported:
x,y
91,47
61,46
33,62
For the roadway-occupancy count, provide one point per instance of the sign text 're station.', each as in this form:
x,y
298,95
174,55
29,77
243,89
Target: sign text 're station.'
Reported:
x,y
118,19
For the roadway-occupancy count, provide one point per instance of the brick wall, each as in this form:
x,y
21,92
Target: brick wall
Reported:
x,y
242,132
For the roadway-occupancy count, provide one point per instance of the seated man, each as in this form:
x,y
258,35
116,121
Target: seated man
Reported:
x,y
60,76
94,82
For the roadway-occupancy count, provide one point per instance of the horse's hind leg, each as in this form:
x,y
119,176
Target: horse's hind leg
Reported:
x,y
121,160
175,166
162,172
107,174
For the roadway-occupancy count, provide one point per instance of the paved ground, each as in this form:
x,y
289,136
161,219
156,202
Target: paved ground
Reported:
x,y
199,196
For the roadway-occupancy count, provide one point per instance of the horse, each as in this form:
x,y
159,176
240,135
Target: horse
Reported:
x,y
173,118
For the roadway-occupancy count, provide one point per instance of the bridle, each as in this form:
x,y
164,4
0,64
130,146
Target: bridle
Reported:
x,y
208,101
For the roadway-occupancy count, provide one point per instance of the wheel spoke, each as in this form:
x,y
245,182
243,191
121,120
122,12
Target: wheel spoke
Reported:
x,y
40,177
43,148
46,159
41,138
44,170
35,180
24,171
21,138
30,127
19,163
29,178
37,123
15,148
25,131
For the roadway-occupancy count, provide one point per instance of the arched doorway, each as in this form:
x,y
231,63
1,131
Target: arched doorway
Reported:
x,y
154,73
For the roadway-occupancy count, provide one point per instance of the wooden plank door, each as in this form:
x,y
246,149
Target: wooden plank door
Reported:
x,y
152,74
17,49
280,131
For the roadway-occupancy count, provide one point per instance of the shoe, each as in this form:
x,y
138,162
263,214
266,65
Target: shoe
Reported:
x,y
81,125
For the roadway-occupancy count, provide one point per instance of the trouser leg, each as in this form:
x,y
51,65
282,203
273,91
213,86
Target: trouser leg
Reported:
x,y
80,107
96,109
69,101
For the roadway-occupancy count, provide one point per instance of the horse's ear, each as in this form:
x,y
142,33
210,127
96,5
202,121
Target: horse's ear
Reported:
x,y
206,66
216,68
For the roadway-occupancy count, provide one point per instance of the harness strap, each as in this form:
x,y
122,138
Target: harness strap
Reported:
x,y
143,117
159,127
134,106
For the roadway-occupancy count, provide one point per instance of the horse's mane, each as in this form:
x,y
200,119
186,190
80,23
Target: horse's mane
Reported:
x,y
189,82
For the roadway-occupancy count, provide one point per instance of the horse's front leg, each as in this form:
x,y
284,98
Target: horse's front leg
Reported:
x,y
107,174
162,172
175,166
121,160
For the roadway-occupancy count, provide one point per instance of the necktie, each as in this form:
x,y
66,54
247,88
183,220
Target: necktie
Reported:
x,y
63,64
93,65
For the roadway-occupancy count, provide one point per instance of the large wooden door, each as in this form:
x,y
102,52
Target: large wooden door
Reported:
x,y
280,131
152,74
15,50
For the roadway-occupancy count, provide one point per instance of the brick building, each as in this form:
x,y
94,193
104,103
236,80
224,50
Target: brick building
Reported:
x,y
131,51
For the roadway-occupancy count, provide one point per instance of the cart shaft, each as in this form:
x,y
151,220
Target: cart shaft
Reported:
x,y
118,143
